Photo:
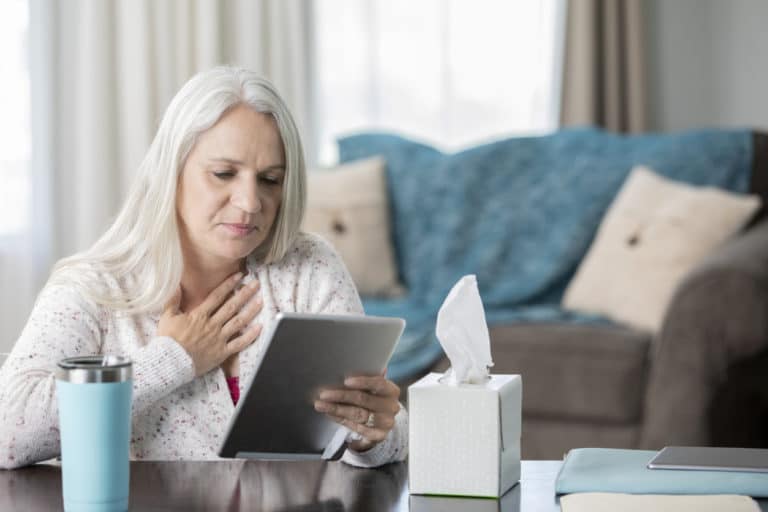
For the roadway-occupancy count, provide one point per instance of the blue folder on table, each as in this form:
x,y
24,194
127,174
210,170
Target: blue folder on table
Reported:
x,y
625,471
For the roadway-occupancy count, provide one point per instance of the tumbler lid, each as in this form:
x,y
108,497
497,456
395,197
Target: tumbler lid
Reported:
x,y
84,369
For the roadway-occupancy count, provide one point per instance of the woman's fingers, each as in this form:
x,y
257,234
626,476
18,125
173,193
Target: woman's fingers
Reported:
x,y
234,304
376,385
244,340
352,413
219,294
217,328
370,433
239,321
366,405
357,415
361,400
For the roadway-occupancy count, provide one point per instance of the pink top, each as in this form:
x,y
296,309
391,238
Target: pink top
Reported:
x,y
234,388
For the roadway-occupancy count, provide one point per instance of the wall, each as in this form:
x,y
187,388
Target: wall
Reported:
x,y
707,63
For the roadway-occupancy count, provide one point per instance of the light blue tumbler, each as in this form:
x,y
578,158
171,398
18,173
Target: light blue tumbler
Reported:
x,y
94,394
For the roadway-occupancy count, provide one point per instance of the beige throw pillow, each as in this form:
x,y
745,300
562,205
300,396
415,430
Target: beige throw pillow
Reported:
x,y
348,206
654,233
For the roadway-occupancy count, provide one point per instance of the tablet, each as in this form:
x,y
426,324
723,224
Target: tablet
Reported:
x,y
275,417
711,459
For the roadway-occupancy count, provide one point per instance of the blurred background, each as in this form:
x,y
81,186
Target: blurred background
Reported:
x,y
84,83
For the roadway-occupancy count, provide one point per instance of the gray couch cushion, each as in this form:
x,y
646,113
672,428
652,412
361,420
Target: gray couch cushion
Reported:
x,y
574,372
551,439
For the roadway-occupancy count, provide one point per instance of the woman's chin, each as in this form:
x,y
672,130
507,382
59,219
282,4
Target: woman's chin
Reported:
x,y
231,248
236,255
235,251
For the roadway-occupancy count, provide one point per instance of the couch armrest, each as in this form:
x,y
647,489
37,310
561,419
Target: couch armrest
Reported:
x,y
718,316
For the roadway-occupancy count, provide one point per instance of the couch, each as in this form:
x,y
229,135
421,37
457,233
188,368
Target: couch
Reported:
x,y
520,214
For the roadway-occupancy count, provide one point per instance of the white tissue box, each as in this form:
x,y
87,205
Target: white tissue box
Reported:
x,y
464,440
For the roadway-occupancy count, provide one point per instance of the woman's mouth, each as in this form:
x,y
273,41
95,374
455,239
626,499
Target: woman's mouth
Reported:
x,y
239,229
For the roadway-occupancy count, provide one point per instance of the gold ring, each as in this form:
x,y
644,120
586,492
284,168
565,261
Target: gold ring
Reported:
x,y
369,421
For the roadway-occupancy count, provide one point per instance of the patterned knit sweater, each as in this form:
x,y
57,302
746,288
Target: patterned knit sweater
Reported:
x,y
175,415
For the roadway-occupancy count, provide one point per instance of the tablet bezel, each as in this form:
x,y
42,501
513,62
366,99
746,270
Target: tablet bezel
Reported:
x,y
329,348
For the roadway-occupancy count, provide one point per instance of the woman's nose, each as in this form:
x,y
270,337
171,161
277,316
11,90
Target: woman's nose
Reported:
x,y
247,198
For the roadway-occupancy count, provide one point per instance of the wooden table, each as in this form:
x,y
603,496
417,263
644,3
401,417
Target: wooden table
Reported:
x,y
278,486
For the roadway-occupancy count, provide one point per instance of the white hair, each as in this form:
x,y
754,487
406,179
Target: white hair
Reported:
x,y
141,249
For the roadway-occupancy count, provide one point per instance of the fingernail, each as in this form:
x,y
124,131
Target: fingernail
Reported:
x,y
350,381
237,276
253,284
320,406
324,395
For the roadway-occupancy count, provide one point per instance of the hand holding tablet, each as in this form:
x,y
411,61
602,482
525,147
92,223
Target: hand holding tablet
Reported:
x,y
366,405
276,418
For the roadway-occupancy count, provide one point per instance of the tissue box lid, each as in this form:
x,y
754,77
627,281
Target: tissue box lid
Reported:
x,y
495,383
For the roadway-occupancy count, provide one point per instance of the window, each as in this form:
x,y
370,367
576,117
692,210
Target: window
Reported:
x,y
451,72
15,138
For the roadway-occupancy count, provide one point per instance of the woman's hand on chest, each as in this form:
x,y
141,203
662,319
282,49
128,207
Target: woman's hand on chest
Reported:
x,y
217,329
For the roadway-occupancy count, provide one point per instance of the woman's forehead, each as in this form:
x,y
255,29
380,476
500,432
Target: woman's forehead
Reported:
x,y
243,136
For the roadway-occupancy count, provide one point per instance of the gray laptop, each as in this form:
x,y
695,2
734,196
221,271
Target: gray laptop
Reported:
x,y
710,458
275,417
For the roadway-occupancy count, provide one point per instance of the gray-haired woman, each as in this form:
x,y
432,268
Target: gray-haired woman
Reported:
x,y
217,203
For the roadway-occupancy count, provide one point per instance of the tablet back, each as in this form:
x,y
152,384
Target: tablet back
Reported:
x,y
275,417
709,458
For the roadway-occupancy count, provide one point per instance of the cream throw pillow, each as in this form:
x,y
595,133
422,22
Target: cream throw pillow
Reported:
x,y
348,206
654,233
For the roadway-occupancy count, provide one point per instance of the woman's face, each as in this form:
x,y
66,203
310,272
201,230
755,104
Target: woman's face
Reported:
x,y
230,187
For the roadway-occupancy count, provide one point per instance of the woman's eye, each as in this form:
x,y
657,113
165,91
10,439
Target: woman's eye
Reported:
x,y
224,175
270,180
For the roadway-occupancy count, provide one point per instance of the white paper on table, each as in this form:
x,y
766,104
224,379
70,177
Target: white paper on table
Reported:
x,y
612,502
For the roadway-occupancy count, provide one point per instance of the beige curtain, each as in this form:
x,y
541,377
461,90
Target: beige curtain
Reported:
x,y
604,70
102,72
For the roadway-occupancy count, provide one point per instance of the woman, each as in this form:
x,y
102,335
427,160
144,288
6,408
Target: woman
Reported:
x,y
204,253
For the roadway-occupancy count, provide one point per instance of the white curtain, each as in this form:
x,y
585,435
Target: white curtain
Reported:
x,y
102,72
450,72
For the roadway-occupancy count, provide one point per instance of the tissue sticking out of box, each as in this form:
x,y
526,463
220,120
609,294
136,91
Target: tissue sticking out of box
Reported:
x,y
463,333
